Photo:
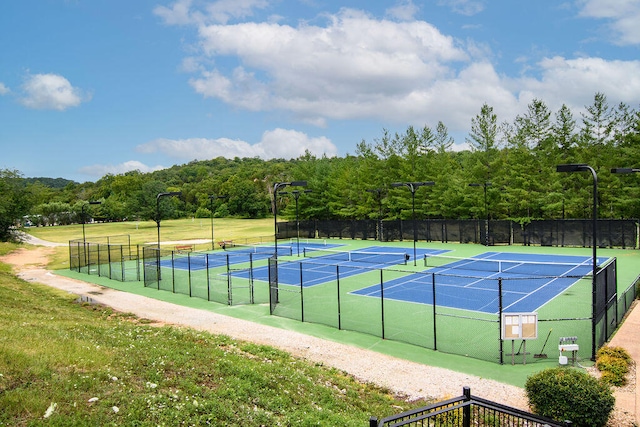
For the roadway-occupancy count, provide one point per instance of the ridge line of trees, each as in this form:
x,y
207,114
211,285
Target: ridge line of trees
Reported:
x,y
514,162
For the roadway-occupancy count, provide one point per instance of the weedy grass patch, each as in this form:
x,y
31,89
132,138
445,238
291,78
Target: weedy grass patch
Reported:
x,y
67,362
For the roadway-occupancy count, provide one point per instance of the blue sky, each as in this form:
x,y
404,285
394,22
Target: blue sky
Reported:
x,y
91,87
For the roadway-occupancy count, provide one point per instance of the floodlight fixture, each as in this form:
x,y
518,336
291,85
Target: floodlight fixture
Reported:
x,y
625,170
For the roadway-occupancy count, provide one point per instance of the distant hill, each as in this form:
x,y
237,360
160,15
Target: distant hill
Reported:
x,y
50,182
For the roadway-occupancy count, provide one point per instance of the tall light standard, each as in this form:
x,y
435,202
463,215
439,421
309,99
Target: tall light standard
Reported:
x,y
582,167
84,239
413,186
211,199
158,197
296,195
276,187
378,192
486,209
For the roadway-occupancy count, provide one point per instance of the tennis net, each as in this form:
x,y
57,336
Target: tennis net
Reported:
x,y
516,267
358,256
259,249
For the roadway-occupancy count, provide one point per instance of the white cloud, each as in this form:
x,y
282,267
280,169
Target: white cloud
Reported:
x,y
623,17
575,81
131,165
463,7
405,10
355,66
278,143
177,14
3,89
352,67
50,92
220,11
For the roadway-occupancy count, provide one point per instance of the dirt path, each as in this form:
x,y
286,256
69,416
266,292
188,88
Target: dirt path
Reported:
x,y
403,377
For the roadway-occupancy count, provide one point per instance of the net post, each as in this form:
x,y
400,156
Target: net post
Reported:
x,y
338,290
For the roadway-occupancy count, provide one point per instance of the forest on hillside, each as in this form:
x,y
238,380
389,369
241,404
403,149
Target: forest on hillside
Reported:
x,y
508,172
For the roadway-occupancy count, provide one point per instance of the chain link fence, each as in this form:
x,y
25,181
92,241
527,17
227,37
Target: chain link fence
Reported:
x,y
435,313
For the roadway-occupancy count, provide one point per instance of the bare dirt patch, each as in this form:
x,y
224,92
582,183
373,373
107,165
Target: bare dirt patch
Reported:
x,y
24,258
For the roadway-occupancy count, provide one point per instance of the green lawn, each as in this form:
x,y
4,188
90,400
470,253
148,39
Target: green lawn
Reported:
x,y
66,363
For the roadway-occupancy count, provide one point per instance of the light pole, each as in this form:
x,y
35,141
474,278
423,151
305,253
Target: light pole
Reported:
x,y
84,239
582,167
211,199
413,186
276,187
378,192
486,209
158,197
296,195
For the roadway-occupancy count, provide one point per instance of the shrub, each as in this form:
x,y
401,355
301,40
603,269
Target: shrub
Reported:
x,y
614,364
570,394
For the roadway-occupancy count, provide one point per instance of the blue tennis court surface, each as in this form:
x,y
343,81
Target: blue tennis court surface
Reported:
x,y
471,284
321,265
235,255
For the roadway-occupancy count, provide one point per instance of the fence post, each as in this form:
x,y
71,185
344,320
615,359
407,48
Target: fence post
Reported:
x,y
466,411
301,295
435,327
500,307
382,301
373,422
189,269
206,263
338,290
229,286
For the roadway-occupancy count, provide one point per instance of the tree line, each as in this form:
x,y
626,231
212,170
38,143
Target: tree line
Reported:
x,y
508,172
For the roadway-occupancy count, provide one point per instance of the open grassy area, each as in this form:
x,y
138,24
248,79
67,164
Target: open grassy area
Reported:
x,y
141,232
64,362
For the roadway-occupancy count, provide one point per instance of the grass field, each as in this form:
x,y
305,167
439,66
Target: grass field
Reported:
x,y
64,362
142,232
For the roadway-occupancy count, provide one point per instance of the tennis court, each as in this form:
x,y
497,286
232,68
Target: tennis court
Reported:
x,y
529,281
234,254
320,264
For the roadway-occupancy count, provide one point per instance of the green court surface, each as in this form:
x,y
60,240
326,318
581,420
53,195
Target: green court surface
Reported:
x,y
628,270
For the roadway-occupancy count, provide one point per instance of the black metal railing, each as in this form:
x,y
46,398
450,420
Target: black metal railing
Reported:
x,y
466,411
